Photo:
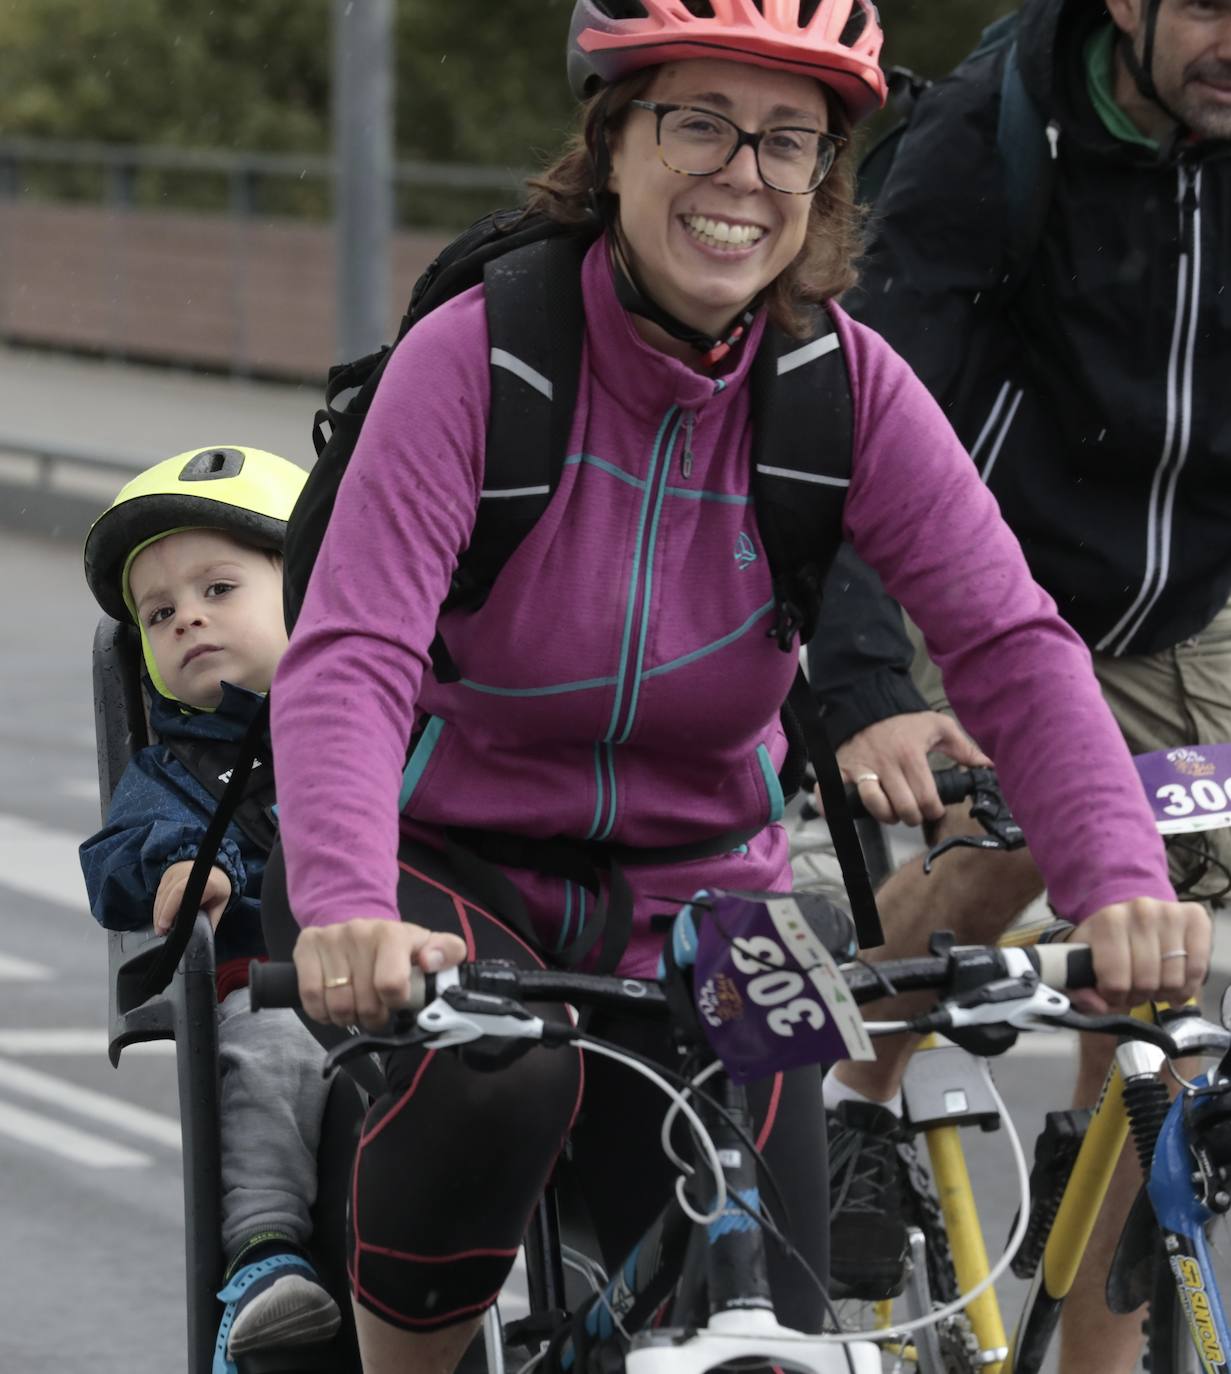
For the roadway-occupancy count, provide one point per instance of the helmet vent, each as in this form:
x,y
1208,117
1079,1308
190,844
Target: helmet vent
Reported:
x,y
854,26
212,463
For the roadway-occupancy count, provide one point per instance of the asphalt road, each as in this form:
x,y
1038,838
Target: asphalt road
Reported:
x,y
90,1203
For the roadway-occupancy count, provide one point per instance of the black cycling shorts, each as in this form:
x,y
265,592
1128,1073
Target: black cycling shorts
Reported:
x,y
454,1155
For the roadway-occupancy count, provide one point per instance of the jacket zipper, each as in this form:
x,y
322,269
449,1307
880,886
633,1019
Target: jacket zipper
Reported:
x,y
1179,417
627,683
686,457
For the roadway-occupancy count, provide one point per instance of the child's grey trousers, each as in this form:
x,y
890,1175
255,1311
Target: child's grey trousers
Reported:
x,y
272,1102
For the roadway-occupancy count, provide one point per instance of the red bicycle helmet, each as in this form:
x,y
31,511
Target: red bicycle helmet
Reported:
x,y
837,42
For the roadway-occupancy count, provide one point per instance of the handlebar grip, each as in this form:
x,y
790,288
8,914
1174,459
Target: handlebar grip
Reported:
x,y
953,784
1063,965
273,985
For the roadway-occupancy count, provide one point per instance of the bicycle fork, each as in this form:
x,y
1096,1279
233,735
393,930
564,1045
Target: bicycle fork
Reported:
x,y
727,1259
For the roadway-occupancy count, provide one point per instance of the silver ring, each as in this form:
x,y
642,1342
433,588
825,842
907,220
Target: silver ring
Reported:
x,y
1174,954
867,777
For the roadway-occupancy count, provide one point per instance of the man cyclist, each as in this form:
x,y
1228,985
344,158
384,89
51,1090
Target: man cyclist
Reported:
x,y
1090,393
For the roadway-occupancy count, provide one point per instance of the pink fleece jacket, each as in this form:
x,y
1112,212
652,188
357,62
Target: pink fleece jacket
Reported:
x,y
619,682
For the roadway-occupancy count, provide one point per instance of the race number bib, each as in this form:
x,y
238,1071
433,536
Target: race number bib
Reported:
x,y
768,992
1189,788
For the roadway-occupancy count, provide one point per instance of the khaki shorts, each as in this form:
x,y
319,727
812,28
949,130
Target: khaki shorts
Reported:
x,y
1180,695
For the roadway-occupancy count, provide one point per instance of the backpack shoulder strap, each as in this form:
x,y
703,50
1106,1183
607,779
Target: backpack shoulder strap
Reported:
x,y
536,324
1027,158
212,762
803,431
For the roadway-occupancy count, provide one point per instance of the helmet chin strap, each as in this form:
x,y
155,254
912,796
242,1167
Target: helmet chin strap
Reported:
x,y
1142,71
634,297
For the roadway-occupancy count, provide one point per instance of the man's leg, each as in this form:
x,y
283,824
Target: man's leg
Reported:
x,y
976,894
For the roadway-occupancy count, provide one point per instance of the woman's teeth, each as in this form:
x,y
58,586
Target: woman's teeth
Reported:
x,y
717,233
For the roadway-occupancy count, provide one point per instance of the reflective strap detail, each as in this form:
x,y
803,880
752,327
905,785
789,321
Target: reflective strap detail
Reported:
x,y
501,357
495,493
794,476
802,356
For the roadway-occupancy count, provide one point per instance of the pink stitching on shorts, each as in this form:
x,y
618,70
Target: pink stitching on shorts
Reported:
x,y
412,1258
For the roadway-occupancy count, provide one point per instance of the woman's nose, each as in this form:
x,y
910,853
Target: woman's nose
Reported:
x,y
742,173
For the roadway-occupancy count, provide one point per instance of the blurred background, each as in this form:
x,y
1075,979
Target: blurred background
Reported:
x,y
168,186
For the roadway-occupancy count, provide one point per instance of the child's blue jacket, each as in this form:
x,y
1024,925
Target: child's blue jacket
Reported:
x,y
158,816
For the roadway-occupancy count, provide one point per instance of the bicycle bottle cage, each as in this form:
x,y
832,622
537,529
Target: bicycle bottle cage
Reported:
x,y
988,807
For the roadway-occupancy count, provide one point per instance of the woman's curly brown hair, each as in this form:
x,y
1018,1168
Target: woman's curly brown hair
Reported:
x,y
825,265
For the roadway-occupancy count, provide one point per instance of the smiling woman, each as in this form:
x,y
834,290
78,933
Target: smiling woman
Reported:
x,y
811,263
608,728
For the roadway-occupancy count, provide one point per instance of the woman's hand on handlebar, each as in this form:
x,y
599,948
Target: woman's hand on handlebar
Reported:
x,y
1137,946
888,762
357,972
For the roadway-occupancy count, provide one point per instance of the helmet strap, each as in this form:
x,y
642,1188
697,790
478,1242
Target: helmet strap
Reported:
x,y
634,298
630,292
1142,70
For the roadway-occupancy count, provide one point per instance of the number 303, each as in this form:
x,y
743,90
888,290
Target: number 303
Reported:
x,y
774,986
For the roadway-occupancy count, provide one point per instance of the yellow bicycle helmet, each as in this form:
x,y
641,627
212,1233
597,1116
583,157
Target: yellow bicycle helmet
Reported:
x,y
244,491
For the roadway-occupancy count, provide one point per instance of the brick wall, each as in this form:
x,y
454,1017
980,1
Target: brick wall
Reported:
x,y
254,296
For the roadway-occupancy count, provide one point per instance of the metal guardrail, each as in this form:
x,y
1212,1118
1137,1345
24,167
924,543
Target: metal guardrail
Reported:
x,y
55,489
121,161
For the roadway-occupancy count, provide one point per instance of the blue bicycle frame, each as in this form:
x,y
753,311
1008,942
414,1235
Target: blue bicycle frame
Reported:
x,y
1182,1217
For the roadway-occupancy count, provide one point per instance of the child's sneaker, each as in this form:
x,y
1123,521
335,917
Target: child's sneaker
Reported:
x,y
274,1301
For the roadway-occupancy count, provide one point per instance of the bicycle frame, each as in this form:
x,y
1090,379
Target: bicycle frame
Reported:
x,y
1182,1216
1180,1213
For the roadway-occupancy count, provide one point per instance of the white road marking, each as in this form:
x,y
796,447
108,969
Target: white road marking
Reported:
x,y
51,1136
72,1097
14,970
41,862
85,1042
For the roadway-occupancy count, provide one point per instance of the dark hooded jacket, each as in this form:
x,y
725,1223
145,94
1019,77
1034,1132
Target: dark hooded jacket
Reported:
x,y
1094,395
158,816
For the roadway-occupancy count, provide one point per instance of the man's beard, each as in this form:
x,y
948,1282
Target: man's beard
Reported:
x,y
1205,116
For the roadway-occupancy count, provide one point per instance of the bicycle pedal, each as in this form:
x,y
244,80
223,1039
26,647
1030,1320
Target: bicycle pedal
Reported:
x,y
1054,1154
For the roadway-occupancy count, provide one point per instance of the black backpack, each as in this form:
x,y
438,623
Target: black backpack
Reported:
x,y
1023,146
530,267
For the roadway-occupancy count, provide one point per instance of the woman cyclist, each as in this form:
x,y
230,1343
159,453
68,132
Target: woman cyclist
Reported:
x,y
618,684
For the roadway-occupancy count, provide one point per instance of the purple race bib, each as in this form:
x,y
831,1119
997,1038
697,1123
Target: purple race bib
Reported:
x,y
768,993
1189,788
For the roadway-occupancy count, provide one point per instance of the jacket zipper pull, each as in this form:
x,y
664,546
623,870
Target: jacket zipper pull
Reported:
x,y
1053,138
686,458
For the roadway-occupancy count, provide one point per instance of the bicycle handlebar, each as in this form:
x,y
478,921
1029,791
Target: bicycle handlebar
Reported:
x,y
958,969
953,784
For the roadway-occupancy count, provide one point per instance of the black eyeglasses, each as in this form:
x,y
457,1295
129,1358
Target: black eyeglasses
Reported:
x,y
697,143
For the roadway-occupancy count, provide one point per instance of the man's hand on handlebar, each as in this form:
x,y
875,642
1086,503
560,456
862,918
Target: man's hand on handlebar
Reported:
x,y
888,762
357,972
1146,949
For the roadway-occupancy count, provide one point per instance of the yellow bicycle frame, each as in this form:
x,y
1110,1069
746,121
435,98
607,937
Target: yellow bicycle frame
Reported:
x,y
1066,1244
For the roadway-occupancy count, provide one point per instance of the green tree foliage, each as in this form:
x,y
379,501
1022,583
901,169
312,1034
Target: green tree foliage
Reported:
x,y
476,80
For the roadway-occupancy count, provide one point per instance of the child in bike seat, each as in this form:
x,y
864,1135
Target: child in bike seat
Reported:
x,y
191,550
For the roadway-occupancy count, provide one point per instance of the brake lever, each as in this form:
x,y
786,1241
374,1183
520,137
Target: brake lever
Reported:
x,y
989,808
402,1033
1129,1026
